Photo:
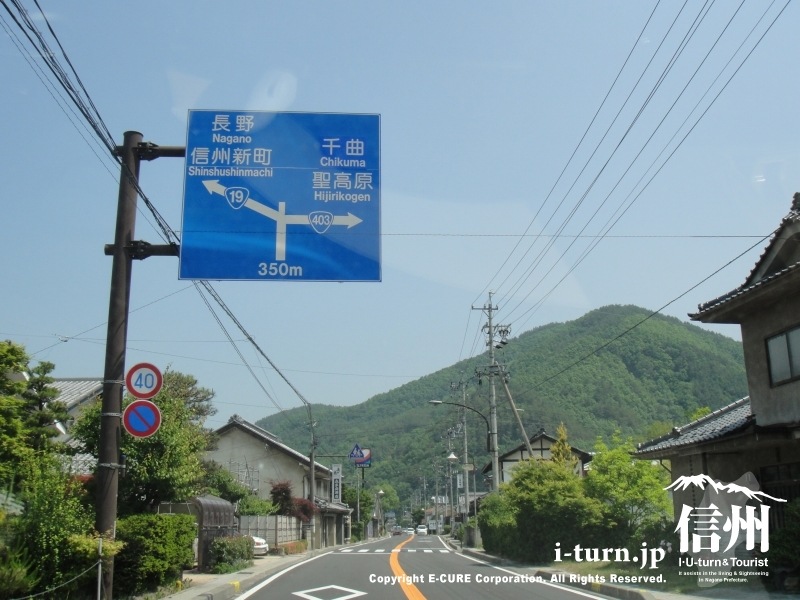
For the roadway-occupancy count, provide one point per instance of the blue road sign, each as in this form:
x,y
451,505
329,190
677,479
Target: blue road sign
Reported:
x,y
365,460
141,418
281,196
356,452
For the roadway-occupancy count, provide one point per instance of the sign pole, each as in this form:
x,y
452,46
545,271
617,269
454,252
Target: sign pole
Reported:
x,y
114,373
124,250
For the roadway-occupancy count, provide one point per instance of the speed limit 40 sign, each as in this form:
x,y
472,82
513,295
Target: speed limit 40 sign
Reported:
x,y
143,381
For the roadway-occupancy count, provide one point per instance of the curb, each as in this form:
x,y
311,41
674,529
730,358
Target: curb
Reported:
x,y
230,585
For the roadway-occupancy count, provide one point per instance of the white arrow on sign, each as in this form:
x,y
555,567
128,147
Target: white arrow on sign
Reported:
x,y
239,196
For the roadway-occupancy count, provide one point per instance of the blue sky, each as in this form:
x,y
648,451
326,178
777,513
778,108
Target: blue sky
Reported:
x,y
481,108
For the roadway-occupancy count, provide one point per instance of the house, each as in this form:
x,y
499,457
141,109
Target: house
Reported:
x,y
256,457
540,444
76,394
759,434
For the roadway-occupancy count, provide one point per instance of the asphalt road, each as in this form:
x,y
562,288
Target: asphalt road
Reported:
x,y
405,567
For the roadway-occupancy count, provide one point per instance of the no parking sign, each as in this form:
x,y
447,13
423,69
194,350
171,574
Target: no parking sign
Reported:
x,y
141,418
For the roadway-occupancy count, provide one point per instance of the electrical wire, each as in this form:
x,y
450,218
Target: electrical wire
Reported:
x,y
78,96
605,230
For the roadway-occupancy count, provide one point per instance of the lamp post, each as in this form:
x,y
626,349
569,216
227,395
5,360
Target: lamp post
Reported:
x,y
452,459
491,439
380,511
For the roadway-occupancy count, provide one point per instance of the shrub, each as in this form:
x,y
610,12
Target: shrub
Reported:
x,y
497,520
231,553
54,511
296,547
784,550
157,549
17,574
551,508
303,509
542,505
253,505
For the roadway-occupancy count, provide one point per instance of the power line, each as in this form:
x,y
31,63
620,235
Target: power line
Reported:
x,y
645,319
81,99
613,221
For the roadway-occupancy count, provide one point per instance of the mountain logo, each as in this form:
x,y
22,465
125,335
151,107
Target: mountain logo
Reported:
x,y
727,510
684,481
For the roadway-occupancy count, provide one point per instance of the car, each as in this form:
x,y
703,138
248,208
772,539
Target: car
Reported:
x,y
397,530
408,530
422,530
260,546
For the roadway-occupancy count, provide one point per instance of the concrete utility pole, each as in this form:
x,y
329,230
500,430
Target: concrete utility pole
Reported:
x,y
491,371
497,370
462,410
124,250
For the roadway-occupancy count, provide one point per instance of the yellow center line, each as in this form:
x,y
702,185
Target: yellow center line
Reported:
x,y
409,589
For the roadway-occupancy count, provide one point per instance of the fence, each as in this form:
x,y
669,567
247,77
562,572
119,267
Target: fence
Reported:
x,y
276,529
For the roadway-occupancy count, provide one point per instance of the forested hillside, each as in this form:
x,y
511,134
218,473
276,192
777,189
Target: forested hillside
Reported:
x,y
646,381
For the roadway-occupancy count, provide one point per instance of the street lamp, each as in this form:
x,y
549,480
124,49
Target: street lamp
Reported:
x,y
452,459
491,439
380,511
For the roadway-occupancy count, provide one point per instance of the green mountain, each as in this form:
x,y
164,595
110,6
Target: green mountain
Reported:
x,y
587,373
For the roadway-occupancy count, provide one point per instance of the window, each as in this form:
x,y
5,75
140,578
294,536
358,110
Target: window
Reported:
x,y
783,351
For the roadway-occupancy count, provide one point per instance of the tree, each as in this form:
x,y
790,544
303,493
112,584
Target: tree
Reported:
x,y
253,505
497,521
390,500
366,504
27,411
551,507
198,399
561,451
54,513
698,413
281,495
13,450
13,364
220,482
43,411
632,491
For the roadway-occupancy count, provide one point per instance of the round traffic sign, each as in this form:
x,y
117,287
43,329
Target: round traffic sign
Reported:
x,y
141,418
143,380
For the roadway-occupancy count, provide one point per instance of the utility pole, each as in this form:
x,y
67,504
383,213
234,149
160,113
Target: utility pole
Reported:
x,y
436,497
464,474
124,250
497,370
491,371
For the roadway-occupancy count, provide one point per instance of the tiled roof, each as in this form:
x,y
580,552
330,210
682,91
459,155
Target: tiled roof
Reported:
x,y
750,283
74,391
728,419
80,463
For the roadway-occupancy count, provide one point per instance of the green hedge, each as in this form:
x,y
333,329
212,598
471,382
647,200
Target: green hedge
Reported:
x,y
497,520
157,549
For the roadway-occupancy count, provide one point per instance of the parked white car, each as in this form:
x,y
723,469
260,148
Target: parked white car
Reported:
x,y
260,546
